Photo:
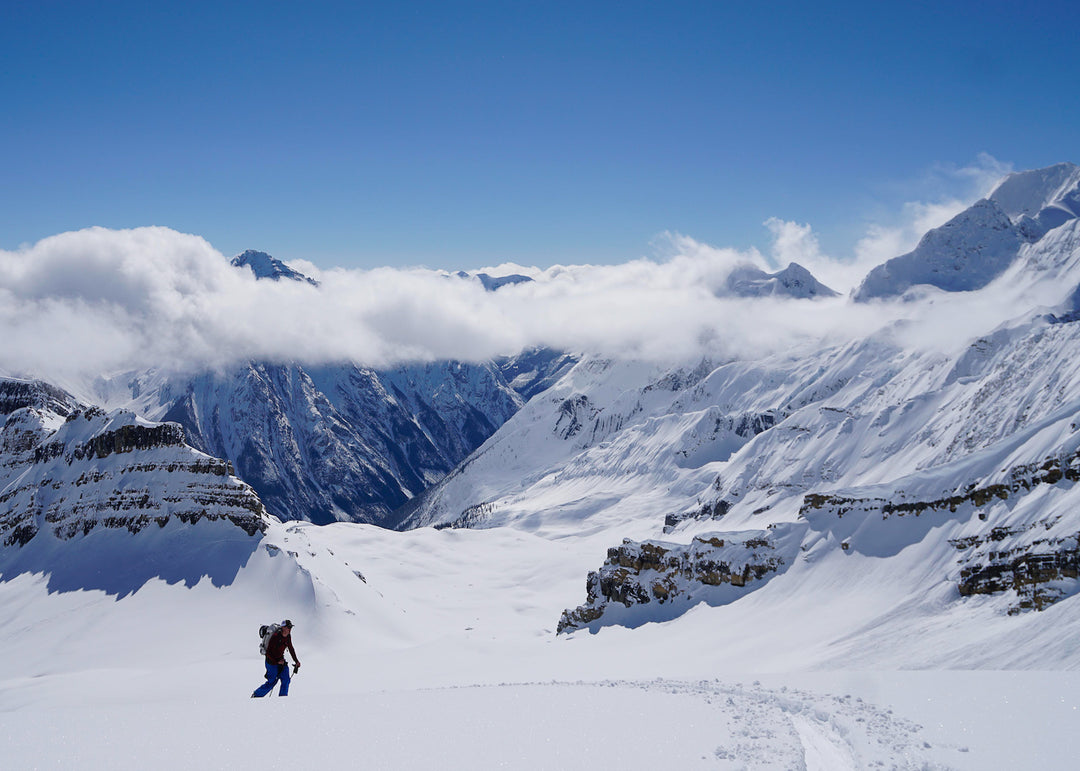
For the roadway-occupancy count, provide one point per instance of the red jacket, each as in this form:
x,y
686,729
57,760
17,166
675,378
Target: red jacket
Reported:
x,y
275,649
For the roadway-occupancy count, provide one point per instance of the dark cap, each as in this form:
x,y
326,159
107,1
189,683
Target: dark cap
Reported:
x,y
287,623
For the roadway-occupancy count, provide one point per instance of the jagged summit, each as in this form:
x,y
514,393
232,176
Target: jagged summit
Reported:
x,y
265,266
978,244
793,281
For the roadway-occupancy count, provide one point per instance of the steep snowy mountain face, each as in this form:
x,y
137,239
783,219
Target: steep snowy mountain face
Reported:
x,y
536,370
979,244
335,443
950,471
109,501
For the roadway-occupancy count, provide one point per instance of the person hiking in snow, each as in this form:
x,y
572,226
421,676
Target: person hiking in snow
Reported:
x,y
276,666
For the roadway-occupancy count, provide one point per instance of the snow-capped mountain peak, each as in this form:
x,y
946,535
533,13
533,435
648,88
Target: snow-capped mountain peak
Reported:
x,y
265,266
1029,192
1040,200
793,281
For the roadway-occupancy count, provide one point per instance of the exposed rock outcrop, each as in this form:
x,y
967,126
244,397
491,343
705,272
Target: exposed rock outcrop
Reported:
x,y
1037,559
1040,571
20,394
642,575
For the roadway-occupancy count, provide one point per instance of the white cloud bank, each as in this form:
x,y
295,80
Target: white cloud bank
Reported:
x,y
104,301
99,300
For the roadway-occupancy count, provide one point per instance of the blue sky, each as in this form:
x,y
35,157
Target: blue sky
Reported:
x,y
457,135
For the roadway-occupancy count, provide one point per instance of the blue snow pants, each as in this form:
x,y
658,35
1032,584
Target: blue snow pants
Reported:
x,y
275,672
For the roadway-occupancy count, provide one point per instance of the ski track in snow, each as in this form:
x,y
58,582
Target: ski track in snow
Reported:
x,y
626,724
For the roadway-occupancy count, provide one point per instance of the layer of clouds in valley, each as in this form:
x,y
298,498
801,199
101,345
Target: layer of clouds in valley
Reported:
x,y
104,301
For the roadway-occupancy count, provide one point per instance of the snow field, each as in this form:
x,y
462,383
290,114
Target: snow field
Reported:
x,y
444,655
656,724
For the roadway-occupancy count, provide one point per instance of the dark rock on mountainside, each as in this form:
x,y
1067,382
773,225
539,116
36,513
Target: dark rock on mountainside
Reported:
x,y
1033,560
348,443
20,394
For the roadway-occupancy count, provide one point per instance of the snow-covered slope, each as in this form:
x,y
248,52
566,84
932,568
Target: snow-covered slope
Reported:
x,y
965,253
1040,199
441,652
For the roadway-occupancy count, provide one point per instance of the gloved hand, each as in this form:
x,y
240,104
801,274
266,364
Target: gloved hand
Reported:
x,y
296,667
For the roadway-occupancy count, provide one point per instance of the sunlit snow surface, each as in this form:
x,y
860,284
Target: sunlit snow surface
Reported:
x,y
444,655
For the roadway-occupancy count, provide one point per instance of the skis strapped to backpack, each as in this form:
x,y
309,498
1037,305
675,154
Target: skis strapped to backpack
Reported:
x,y
266,631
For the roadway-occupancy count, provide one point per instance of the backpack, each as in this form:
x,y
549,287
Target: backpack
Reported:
x,y
266,631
